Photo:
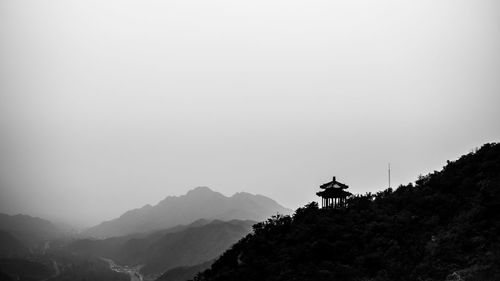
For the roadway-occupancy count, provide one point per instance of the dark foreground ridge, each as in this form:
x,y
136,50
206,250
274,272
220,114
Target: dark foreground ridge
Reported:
x,y
445,227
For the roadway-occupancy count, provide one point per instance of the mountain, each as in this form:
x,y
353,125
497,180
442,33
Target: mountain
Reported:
x,y
198,203
10,246
446,226
189,245
33,249
29,230
19,269
114,247
183,273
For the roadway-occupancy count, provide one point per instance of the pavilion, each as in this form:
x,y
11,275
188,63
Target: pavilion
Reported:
x,y
333,195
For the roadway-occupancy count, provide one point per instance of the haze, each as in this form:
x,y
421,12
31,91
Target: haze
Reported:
x,y
109,105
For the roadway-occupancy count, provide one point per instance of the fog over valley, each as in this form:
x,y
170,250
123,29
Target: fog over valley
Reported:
x,y
214,140
107,106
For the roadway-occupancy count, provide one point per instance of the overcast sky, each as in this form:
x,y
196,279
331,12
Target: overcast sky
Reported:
x,y
109,105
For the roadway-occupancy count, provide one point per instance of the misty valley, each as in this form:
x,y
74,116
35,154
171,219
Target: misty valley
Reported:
x,y
250,140
177,238
444,226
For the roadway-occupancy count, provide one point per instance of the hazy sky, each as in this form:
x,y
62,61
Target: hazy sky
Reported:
x,y
109,105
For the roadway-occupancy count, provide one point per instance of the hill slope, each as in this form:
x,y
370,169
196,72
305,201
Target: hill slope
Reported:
x,y
166,249
184,273
198,203
10,246
445,227
29,230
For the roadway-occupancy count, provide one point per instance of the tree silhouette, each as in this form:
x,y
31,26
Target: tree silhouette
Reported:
x,y
445,227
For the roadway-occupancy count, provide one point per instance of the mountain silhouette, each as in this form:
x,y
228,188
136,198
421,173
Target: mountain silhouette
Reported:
x,y
446,226
198,203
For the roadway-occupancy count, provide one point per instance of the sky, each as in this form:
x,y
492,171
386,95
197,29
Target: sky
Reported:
x,y
106,105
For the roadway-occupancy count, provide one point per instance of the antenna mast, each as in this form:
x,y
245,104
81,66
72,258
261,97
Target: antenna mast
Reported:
x,y
389,173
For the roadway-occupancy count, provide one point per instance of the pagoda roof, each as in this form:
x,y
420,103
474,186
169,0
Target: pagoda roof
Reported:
x,y
333,193
333,184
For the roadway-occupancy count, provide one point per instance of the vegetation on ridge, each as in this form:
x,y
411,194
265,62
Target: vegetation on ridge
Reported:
x,y
445,227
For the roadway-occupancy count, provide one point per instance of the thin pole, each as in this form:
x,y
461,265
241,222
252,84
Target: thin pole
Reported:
x,y
389,175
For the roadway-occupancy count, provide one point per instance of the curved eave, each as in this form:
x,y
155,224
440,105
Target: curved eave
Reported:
x,y
333,193
333,185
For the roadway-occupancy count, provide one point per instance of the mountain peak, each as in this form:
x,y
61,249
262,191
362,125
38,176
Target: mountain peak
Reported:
x,y
200,189
203,193
242,194
200,202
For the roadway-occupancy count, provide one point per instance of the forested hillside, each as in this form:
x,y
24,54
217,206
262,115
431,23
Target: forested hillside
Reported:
x,y
446,226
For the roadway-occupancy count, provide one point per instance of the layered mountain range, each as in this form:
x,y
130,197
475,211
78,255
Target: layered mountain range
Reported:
x,y
443,227
187,245
179,236
20,233
23,240
199,203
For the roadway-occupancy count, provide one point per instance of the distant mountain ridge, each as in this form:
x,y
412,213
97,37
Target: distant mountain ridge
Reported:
x,y
28,230
196,204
